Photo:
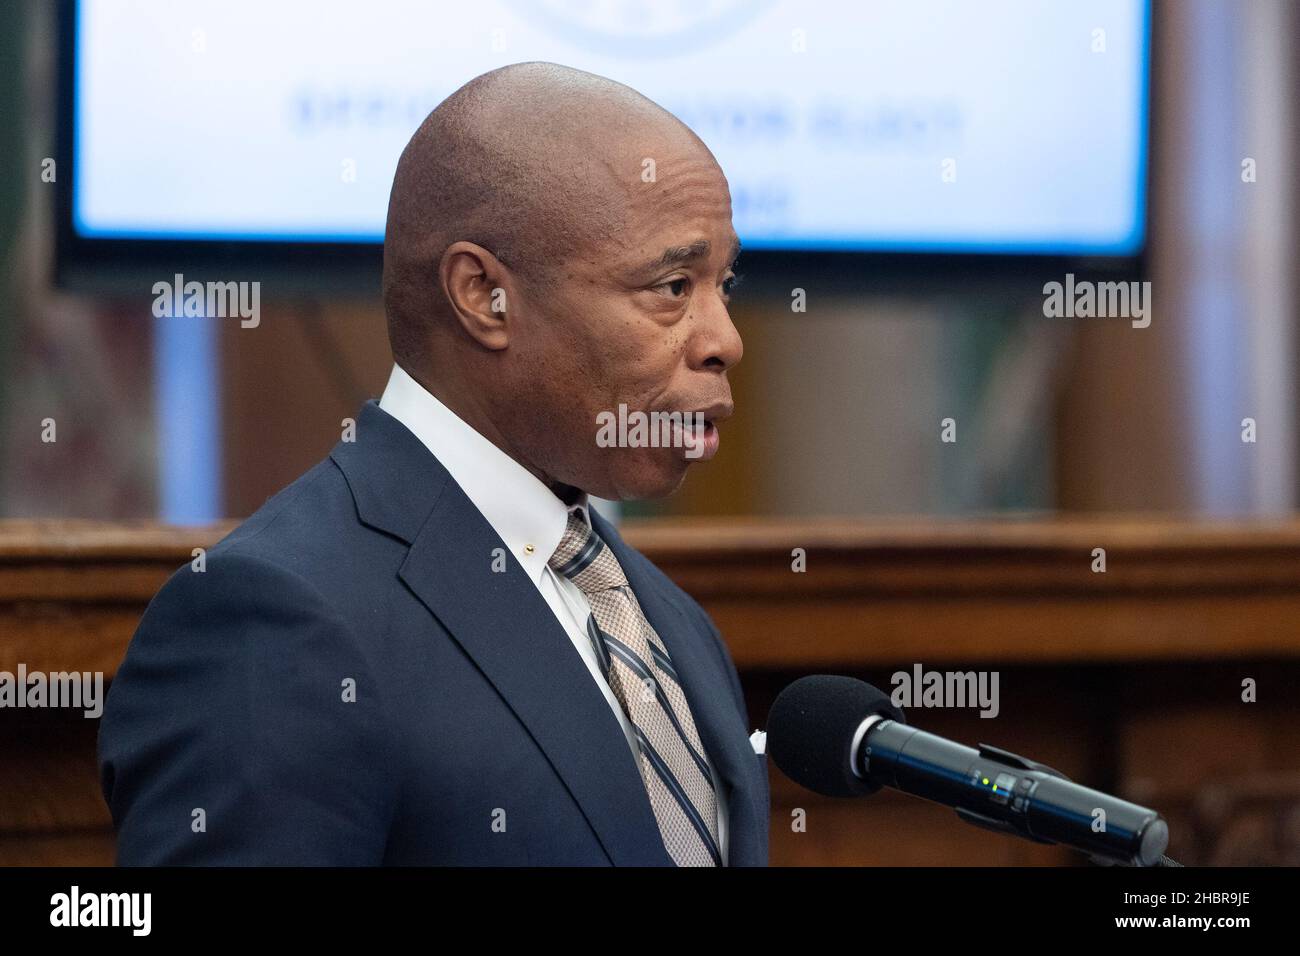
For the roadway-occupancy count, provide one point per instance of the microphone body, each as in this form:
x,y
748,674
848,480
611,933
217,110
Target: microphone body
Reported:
x,y
842,737
999,790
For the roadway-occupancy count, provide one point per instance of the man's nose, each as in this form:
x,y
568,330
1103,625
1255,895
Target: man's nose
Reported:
x,y
716,343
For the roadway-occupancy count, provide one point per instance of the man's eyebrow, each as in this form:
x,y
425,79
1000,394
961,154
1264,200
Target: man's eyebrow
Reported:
x,y
679,255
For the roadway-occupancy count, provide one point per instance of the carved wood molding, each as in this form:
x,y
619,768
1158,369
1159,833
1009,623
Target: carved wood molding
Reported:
x,y
874,592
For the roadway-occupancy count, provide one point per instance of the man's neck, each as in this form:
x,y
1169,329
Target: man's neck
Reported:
x,y
473,416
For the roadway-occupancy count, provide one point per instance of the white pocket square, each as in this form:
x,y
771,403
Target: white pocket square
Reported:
x,y
758,740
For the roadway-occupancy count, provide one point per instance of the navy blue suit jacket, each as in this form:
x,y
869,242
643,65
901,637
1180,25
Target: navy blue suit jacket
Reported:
x,y
477,735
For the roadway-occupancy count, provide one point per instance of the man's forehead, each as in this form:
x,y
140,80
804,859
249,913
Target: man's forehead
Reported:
x,y
665,192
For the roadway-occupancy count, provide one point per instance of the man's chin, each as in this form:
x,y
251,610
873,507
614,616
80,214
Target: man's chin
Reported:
x,y
648,483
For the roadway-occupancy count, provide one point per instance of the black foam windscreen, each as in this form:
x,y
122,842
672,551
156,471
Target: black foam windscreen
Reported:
x,y
810,732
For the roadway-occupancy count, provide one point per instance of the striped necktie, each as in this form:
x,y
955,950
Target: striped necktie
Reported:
x,y
640,673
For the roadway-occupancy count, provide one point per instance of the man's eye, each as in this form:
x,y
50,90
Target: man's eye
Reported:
x,y
729,284
675,287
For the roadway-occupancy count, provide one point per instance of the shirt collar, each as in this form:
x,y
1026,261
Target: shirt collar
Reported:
x,y
526,514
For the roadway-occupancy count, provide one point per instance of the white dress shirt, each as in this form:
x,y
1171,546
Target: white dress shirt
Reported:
x,y
527,516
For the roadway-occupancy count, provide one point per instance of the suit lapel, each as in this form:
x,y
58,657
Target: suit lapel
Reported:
x,y
504,624
707,690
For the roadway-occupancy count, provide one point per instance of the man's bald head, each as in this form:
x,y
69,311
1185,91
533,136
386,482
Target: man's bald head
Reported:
x,y
533,162
536,281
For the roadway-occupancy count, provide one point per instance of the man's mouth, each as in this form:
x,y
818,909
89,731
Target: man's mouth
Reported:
x,y
693,431
700,438
706,445
717,412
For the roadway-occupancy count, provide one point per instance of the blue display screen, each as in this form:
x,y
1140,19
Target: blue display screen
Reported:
x,y
1001,126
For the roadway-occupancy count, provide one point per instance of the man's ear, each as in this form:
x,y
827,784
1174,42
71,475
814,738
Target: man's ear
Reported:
x,y
475,283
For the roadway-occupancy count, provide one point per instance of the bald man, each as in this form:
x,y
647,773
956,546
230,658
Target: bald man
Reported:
x,y
430,649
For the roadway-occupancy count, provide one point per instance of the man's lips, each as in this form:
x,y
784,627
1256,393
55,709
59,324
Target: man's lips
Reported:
x,y
692,431
709,414
717,412
703,443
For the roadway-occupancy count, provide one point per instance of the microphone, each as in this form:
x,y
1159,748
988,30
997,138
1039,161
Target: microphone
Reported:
x,y
841,737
